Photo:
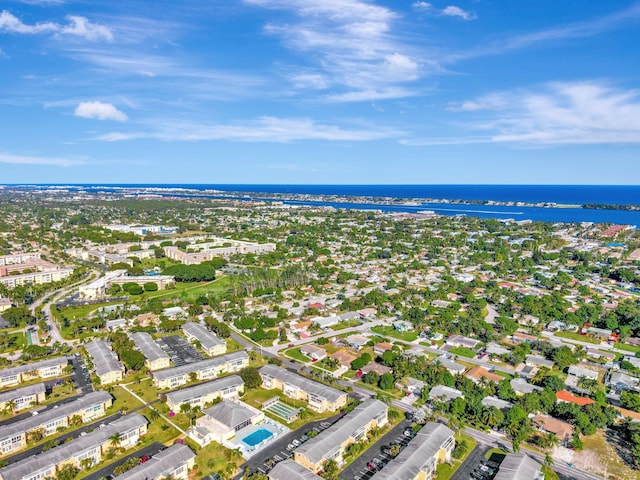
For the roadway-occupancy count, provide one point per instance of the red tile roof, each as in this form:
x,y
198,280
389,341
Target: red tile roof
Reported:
x,y
565,396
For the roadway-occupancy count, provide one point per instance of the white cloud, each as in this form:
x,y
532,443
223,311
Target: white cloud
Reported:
x,y
562,113
99,111
264,129
350,42
421,6
77,26
453,11
29,160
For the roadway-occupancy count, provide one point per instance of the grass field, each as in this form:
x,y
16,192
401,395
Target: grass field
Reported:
x,y
463,352
14,341
392,332
577,337
444,470
296,354
347,324
627,348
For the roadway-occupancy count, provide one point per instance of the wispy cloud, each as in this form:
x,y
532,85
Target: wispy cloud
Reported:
x,y
76,26
100,111
350,43
30,160
454,11
561,113
263,129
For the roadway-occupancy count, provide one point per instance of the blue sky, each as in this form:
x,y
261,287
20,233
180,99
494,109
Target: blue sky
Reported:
x,y
320,91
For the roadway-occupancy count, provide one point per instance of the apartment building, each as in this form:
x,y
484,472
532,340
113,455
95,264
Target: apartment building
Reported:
x,y
210,343
225,388
36,278
519,466
318,396
290,470
432,445
219,247
203,370
332,443
155,357
174,462
92,446
99,287
83,410
105,362
53,367
23,397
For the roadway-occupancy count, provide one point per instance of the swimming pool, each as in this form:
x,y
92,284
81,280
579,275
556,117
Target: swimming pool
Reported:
x,y
256,437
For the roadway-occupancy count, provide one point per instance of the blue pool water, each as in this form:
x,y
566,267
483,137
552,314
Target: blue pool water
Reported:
x,y
256,437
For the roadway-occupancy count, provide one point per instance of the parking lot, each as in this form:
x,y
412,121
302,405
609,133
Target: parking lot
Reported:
x,y
180,351
376,457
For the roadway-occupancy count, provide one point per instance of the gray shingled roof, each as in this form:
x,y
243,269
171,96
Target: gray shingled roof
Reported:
x,y
230,413
290,470
207,339
22,392
201,365
56,455
34,366
317,389
420,450
149,348
330,440
160,464
104,360
61,411
496,402
518,466
191,393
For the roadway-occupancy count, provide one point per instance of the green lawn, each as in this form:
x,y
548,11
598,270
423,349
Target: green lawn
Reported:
x,y
347,324
549,474
296,354
463,352
444,470
392,332
627,348
214,458
576,336
14,341
145,390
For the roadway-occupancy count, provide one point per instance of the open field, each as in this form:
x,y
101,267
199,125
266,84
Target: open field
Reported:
x,y
392,332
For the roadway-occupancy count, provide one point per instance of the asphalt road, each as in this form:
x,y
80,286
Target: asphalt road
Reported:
x,y
149,450
61,439
359,465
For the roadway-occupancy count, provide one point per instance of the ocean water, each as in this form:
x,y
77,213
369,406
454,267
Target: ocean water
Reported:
x,y
559,194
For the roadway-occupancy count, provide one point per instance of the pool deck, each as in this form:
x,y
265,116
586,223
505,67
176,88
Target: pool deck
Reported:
x,y
247,451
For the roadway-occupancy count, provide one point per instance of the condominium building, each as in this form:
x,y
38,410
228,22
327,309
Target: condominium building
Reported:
x,y
202,370
290,470
318,396
519,466
23,397
53,367
432,445
85,409
223,420
155,357
200,395
98,288
18,258
83,452
332,443
210,343
36,278
219,247
105,362
174,462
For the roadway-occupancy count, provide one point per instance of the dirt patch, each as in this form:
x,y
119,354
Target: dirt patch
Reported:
x,y
599,456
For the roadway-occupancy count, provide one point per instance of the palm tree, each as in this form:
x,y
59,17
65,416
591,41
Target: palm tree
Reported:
x,y
75,420
154,415
115,440
10,406
86,463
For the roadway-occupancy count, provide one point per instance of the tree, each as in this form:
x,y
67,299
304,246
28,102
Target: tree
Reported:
x,y
371,378
251,377
386,381
564,357
133,359
630,400
68,472
150,287
115,440
330,470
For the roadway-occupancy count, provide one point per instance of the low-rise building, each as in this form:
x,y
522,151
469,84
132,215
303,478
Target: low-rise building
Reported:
x,y
82,410
223,420
453,367
538,361
462,341
174,462
519,466
477,374
23,397
562,430
522,387
155,357
433,444
332,443
357,341
319,397
83,452
203,370
105,362
53,367
225,388
500,404
442,393
290,470
313,352
210,343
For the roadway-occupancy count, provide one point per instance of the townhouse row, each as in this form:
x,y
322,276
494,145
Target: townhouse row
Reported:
x,y
210,368
53,367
